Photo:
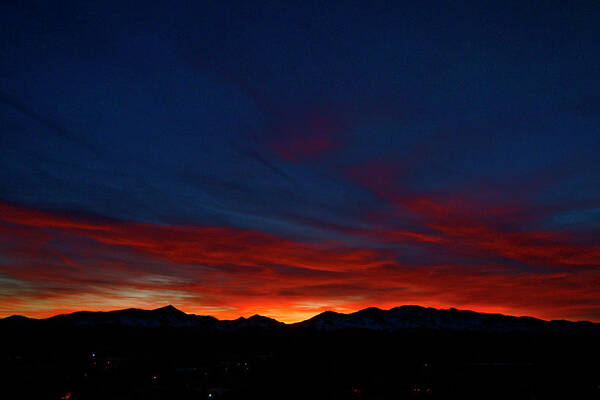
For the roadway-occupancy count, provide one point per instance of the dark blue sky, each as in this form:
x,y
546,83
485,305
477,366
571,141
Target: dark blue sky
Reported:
x,y
340,126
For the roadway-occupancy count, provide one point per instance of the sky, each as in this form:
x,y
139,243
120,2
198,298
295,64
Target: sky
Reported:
x,y
286,158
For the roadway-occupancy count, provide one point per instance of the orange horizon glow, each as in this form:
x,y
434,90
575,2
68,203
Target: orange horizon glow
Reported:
x,y
53,264
288,318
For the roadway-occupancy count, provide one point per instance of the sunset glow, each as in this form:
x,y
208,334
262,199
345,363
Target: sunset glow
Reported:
x,y
285,160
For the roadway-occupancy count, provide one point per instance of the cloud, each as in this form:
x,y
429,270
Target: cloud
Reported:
x,y
307,136
49,124
53,262
497,221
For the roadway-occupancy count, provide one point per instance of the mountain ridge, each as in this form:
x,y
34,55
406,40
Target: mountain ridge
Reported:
x,y
402,318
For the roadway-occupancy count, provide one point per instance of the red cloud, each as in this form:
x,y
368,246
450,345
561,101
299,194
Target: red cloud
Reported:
x,y
308,137
480,226
55,263
488,230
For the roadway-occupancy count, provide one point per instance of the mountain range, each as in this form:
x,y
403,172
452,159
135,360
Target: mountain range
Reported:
x,y
402,318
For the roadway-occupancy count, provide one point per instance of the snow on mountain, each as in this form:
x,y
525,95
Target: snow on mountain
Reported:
x,y
395,319
416,317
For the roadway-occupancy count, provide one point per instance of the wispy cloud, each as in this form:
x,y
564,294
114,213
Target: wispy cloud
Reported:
x,y
239,271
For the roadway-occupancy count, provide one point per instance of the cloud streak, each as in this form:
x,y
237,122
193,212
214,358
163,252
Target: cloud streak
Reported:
x,y
56,263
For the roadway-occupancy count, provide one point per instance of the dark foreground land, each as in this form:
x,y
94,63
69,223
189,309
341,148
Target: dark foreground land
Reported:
x,y
118,362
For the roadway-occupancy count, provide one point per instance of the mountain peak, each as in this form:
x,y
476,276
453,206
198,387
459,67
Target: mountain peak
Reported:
x,y
407,317
169,308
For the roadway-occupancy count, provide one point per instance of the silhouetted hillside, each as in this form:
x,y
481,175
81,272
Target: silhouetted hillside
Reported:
x,y
415,317
406,352
395,319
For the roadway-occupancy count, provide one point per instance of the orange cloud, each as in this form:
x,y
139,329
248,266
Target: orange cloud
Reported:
x,y
474,231
52,262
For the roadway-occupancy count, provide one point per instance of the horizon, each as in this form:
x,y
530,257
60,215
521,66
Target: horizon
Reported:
x,y
240,158
291,322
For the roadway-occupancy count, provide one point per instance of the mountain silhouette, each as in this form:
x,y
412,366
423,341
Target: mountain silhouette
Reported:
x,y
408,317
404,352
416,317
